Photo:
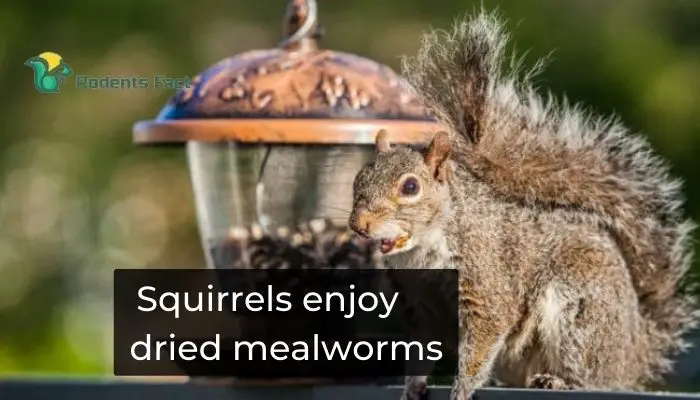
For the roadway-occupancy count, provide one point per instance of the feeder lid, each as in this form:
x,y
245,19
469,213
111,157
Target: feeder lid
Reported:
x,y
296,93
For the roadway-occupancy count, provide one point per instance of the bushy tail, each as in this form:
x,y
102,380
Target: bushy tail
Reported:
x,y
553,155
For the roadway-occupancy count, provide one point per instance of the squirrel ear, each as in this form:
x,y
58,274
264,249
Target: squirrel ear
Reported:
x,y
382,142
438,152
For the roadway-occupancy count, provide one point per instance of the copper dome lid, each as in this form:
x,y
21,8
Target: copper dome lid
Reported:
x,y
296,93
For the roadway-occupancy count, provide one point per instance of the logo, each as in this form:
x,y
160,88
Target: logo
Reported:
x,y
49,71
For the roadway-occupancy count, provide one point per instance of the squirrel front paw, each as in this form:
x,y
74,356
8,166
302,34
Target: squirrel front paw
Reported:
x,y
549,382
415,390
463,390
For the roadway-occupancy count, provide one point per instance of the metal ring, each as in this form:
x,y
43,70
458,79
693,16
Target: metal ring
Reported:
x,y
306,27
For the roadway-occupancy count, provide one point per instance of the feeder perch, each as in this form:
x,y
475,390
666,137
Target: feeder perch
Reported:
x,y
274,139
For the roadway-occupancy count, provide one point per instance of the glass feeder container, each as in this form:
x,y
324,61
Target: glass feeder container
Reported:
x,y
275,137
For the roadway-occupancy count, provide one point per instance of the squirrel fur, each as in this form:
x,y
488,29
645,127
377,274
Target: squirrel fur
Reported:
x,y
567,230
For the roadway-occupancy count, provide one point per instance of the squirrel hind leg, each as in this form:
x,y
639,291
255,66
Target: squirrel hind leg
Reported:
x,y
550,382
588,332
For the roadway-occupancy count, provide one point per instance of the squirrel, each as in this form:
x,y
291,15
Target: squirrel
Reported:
x,y
566,229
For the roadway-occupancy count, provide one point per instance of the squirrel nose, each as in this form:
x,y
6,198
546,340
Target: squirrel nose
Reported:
x,y
360,222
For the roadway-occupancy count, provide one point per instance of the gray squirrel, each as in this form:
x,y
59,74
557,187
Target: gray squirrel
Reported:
x,y
567,230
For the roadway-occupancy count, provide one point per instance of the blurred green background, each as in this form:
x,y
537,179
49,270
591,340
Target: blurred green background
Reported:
x,y
78,199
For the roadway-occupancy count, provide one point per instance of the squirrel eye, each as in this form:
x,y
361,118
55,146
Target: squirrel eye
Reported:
x,y
410,187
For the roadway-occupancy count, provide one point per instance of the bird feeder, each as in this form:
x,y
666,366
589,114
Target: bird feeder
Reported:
x,y
274,139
